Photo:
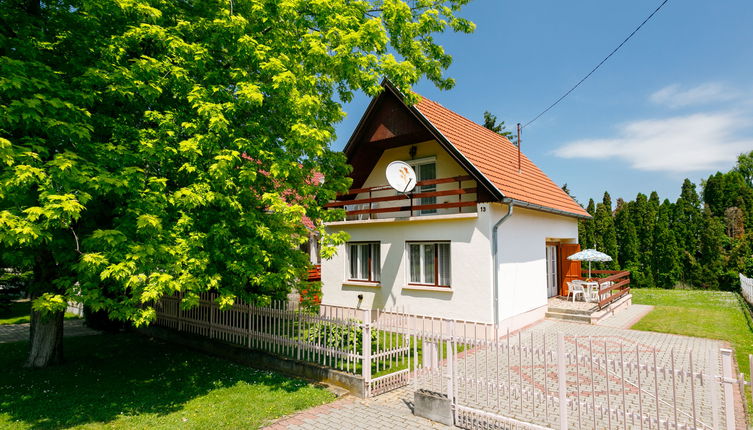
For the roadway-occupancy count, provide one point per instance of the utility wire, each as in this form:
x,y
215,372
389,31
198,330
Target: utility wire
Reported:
x,y
598,65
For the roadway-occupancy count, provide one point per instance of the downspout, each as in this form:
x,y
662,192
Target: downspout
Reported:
x,y
495,257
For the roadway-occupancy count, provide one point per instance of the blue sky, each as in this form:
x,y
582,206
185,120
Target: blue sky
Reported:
x,y
676,101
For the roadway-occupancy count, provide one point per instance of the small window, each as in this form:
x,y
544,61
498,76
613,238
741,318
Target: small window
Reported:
x,y
429,263
364,261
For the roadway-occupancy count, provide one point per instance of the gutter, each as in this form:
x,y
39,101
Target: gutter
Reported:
x,y
495,257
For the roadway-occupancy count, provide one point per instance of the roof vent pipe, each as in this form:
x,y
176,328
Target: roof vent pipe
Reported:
x,y
495,259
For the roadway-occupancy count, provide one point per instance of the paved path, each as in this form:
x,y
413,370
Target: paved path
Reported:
x,y
394,410
627,317
389,411
20,332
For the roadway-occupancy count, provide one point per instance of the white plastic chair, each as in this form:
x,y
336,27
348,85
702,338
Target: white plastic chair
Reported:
x,y
575,289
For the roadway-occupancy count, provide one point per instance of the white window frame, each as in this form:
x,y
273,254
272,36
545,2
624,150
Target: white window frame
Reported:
x,y
374,261
426,188
437,261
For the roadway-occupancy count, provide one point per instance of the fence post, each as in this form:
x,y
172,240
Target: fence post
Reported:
x,y
211,316
715,386
366,352
729,402
180,312
450,362
562,380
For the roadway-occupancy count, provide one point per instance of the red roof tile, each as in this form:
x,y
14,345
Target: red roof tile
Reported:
x,y
496,158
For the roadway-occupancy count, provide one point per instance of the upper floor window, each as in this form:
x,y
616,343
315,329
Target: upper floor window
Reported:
x,y
364,261
429,263
426,169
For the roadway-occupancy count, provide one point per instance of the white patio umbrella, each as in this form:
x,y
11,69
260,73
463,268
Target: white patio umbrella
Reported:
x,y
589,255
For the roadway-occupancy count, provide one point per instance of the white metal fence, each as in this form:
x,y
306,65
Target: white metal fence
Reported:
x,y
746,288
535,380
544,380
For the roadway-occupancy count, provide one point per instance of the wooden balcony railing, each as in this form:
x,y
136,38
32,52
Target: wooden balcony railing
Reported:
x,y
614,285
315,273
408,198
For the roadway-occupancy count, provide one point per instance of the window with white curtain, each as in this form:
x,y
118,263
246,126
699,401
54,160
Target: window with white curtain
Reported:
x,y
364,261
429,263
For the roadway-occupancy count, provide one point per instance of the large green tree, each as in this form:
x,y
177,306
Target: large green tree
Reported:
x,y
150,147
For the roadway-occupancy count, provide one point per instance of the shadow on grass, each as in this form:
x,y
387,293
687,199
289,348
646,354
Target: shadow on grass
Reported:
x,y
106,376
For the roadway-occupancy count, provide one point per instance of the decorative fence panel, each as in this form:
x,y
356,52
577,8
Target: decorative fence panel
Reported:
x,y
746,288
546,381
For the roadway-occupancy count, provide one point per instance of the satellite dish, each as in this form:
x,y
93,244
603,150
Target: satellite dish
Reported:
x,y
401,176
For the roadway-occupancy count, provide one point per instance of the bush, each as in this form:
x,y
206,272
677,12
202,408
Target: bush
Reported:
x,y
334,335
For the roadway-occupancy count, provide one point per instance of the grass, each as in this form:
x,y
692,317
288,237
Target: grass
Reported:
x,y
709,314
18,313
127,381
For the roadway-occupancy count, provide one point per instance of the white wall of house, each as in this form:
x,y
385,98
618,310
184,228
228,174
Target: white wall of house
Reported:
x,y
470,295
522,242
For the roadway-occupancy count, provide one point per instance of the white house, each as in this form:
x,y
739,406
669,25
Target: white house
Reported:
x,y
483,236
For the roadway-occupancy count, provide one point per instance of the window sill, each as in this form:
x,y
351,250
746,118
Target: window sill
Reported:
x,y
428,288
368,284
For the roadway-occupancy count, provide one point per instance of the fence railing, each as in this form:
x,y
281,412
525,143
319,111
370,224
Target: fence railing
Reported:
x,y
613,284
545,380
746,288
369,202
532,380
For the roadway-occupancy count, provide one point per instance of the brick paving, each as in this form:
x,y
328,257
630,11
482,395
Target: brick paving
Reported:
x,y
20,332
394,409
626,318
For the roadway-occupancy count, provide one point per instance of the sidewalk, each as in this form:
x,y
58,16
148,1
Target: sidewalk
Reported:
x,y
20,332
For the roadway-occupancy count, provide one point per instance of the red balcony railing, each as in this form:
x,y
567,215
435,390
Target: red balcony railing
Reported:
x,y
409,199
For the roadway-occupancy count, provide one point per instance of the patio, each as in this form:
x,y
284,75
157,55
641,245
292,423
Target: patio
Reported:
x,y
585,312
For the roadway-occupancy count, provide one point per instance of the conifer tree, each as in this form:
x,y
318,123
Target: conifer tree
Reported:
x,y
686,224
586,228
666,264
627,237
710,252
606,235
643,218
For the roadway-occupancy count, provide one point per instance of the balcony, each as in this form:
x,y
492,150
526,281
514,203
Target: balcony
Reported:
x,y
443,196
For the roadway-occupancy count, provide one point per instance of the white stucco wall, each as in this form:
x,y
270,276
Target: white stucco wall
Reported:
x,y
470,295
522,255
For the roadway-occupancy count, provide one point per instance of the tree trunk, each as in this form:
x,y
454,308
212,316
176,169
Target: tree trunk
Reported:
x,y
46,340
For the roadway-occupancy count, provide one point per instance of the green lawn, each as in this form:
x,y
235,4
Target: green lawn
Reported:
x,y
710,314
128,381
18,313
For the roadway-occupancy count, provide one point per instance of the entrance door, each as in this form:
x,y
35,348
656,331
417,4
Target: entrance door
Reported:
x,y
552,276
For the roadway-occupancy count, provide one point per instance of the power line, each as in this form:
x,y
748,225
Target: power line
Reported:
x,y
598,65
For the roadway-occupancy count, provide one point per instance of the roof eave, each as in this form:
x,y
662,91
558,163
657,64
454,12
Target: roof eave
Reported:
x,y
547,209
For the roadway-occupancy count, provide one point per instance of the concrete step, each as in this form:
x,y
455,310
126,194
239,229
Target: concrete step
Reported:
x,y
572,311
565,316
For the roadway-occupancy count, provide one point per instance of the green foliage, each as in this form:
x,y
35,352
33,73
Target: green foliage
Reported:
x,y
683,244
336,335
490,122
149,147
586,230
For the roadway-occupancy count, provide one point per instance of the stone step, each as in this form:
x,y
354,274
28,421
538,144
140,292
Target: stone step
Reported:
x,y
569,317
572,311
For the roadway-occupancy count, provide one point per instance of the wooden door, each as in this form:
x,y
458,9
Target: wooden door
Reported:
x,y
569,270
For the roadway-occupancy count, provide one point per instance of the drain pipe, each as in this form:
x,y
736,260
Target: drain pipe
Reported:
x,y
495,257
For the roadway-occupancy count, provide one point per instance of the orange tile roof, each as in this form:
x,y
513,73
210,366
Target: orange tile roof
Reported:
x,y
496,158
